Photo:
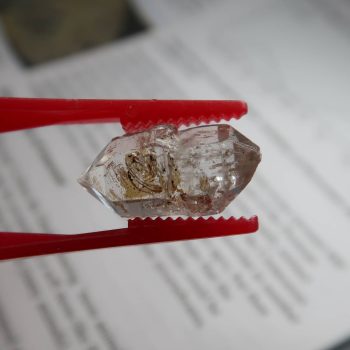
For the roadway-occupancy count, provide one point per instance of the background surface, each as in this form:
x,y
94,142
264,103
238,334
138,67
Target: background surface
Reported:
x,y
286,287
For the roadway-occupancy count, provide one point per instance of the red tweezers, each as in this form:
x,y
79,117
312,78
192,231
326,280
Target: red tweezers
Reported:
x,y
134,115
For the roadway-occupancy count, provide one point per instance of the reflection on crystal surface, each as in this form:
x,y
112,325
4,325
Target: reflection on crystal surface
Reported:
x,y
165,171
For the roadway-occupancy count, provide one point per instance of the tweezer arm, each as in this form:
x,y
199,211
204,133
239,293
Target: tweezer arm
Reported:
x,y
134,115
139,231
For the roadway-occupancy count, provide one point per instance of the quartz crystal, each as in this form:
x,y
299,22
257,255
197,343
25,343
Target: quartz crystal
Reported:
x,y
165,171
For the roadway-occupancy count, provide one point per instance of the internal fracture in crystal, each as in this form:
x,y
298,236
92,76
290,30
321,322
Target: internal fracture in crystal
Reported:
x,y
165,171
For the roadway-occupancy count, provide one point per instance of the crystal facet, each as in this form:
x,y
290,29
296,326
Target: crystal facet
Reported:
x,y
164,171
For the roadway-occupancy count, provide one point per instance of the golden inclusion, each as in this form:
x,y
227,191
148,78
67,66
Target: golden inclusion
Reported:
x,y
164,171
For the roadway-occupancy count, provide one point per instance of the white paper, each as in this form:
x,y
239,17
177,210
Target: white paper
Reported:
x,y
285,287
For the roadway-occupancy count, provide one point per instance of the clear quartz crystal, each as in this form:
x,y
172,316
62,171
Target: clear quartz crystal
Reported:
x,y
164,171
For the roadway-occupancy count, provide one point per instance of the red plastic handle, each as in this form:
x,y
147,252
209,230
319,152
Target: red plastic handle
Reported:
x,y
134,115
139,231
